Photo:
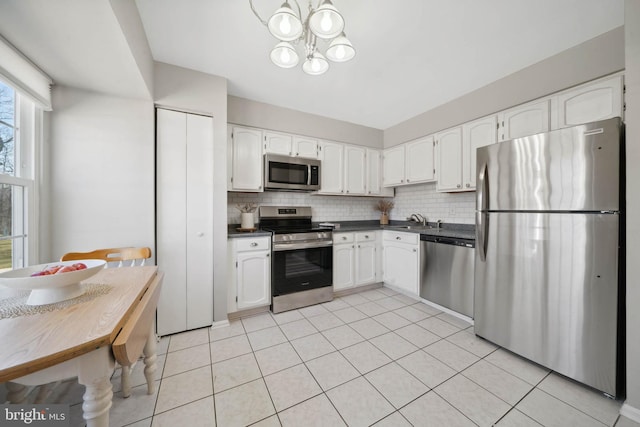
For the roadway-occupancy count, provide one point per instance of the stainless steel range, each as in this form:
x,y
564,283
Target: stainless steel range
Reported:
x,y
302,258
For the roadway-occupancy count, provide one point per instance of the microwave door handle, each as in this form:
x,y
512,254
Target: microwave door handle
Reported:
x,y
308,174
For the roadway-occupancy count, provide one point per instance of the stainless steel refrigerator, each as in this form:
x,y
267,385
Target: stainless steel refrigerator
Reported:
x,y
549,251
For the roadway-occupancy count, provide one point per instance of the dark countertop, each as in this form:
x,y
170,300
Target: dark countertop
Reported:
x,y
233,233
460,231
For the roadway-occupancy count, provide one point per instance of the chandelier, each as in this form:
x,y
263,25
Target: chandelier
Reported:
x,y
323,22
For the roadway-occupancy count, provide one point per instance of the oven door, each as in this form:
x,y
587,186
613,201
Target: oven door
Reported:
x,y
301,269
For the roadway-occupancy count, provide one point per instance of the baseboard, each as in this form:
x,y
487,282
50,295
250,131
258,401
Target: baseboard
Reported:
x,y
219,324
356,290
630,412
249,312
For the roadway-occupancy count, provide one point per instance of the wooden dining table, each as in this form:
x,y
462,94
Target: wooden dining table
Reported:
x,y
76,341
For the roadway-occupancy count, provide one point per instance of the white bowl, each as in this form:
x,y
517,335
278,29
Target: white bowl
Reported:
x,y
52,288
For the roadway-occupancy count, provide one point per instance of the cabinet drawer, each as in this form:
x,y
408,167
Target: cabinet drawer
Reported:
x,y
339,238
366,236
409,238
252,244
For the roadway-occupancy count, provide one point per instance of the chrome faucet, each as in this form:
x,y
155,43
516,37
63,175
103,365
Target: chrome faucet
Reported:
x,y
438,224
416,217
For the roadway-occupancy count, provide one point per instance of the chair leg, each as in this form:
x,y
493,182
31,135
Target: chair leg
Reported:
x,y
150,358
126,381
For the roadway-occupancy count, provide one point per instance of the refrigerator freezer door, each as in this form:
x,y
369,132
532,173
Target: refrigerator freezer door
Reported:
x,y
572,169
548,291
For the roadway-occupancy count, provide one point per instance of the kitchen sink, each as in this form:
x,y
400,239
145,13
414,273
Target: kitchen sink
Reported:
x,y
411,227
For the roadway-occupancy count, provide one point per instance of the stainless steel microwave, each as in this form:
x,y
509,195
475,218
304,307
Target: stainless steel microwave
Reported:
x,y
291,173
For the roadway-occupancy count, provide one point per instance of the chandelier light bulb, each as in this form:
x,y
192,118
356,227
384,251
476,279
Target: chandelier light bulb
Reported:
x,y
284,55
326,22
284,24
340,49
315,64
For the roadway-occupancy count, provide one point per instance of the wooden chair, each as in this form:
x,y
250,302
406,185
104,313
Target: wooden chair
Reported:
x,y
124,257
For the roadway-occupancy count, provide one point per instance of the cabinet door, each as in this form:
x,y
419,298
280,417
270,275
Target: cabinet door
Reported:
x,y
354,170
332,169
343,266
253,279
171,219
449,144
393,166
524,120
591,102
419,160
305,147
476,134
401,266
199,224
365,268
277,143
247,160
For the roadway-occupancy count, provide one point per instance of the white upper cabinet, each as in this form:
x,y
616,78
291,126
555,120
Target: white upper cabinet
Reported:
x,y
354,170
476,134
409,163
277,143
599,100
290,145
449,146
332,168
393,166
247,164
524,120
305,147
374,175
419,160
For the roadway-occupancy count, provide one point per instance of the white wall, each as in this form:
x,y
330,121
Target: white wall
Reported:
x,y
192,91
101,188
456,208
594,58
632,118
257,114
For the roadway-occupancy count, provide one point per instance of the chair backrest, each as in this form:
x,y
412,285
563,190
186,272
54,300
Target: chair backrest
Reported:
x,y
123,256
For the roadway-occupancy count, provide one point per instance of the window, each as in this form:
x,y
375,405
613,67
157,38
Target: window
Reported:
x,y
17,130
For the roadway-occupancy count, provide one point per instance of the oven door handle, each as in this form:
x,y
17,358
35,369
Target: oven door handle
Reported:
x,y
306,245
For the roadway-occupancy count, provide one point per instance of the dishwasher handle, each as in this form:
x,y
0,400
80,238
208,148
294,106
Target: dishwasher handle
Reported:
x,y
448,241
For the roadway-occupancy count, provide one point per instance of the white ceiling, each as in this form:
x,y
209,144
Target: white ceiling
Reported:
x,y
412,55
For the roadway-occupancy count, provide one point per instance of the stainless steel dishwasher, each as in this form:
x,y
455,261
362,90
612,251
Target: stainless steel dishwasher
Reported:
x,y
446,272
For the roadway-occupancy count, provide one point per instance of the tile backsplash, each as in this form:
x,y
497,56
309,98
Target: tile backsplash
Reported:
x,y
419,198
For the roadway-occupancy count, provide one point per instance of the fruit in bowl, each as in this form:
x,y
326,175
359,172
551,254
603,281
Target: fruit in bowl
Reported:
x,y
52,282
57,269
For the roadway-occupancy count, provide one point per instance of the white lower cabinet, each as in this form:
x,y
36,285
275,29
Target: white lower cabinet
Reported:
x,y
249,273
401,260
354,259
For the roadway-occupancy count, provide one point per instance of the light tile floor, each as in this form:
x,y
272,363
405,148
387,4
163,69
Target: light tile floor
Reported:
x,y
373,358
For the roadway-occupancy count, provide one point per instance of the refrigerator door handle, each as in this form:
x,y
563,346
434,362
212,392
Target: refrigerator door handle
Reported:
x,y
482,222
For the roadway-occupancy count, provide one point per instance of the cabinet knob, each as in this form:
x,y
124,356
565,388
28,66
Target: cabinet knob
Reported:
x,y
297,154
353,246
408,180
268,255
344,238
260,187
369,192
254,244
199,234
398,238
468,185
458,185
347,191
415,250
366,236
358,246
402,180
